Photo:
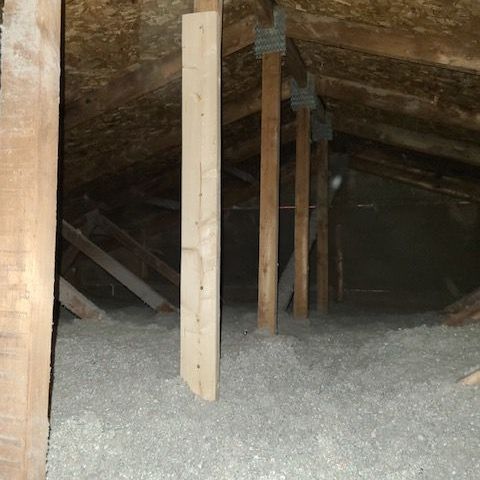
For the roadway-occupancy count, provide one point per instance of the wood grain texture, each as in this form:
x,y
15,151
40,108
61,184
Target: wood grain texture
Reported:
x,y
77,303
201,210
135,284
321,157
441,51
148,77
28,187
302,213
269,192
141,252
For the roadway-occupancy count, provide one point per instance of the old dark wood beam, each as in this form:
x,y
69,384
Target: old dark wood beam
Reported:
x,y
398,102
391,166
427,143
148,77
454,53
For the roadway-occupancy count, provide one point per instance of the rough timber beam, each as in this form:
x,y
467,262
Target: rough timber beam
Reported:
x,y
398,102
387,165
115,269
453,53
294,63
148,77
77,303
427,143
29,99
302,214
201,212
269,192
141,252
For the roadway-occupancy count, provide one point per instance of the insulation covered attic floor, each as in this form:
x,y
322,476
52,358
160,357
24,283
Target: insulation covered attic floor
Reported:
x,y
354,397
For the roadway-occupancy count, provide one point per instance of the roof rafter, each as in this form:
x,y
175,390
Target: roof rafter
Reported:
x,y
454,53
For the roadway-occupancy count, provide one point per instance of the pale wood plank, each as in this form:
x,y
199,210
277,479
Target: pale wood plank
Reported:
x,y
29,100
201,157
302,212
77,303
269,192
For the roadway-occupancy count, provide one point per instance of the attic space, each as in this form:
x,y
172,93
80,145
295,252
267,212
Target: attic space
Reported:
x,y
239,239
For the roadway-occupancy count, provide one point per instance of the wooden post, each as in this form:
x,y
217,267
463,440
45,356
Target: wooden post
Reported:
x,y
302,211
29,100
339,263
201,162
269,192
322,226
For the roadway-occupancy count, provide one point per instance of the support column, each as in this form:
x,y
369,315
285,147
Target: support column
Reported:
x,y
29,100
302,210
322,226
201,162
269,192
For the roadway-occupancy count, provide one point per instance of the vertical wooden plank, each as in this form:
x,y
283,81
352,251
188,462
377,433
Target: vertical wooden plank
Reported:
x,y
322,226
29,101
269,191
302,211
339,263
201,163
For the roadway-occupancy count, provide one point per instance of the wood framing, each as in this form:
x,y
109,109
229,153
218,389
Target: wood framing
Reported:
x,y
269,192
135,284
397,102
302,212
141,252
411,140
442,51
77,303
321,157
340,290
148,77
29,104
388,165
201,211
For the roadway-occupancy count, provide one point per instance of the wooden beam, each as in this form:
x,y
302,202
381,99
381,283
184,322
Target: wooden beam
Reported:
x,y
161,267
471,379
70,254
321,158
397,102
302,213
295,65
455,53
269,192
201,212
340,290
387,165
428,143
148,77
29,100
115,269
77,303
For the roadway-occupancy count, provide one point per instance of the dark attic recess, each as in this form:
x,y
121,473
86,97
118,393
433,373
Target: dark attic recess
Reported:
x,y
406,144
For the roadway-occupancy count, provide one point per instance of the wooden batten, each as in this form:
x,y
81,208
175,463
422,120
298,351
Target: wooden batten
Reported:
x,y
322,226
302,211
135,284
201,212
269,192
77,303
29,106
